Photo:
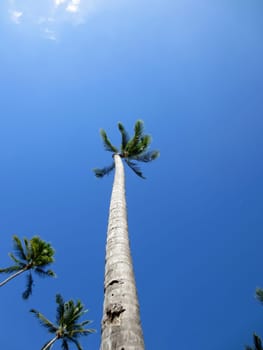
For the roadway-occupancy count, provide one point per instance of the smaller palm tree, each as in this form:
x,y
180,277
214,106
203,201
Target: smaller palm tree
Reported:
x,y
66,328
257,343
34,255
256,339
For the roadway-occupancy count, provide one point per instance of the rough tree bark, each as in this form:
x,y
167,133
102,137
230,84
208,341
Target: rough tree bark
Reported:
x,y
121,325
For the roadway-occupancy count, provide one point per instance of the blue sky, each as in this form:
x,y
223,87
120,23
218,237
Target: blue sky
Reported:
x,y
193,72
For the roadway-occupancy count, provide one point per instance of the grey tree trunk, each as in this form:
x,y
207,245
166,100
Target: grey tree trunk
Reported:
x,y
121,325
13,276
50,343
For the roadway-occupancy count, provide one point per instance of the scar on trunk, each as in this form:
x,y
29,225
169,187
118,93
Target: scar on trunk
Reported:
x,y
111,283
114,311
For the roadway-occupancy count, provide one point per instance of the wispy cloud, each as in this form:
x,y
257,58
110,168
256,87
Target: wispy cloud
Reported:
x,y
49,17
73,6
50,34
16,16
58,2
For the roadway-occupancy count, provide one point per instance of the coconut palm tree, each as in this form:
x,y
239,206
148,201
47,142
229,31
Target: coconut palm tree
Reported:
x,y
257,343
67,327
256,339
121,325
34,255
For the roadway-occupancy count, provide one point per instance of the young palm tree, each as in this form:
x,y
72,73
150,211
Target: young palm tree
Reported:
x,y
35,255
256,339
121,325
257,343
67,327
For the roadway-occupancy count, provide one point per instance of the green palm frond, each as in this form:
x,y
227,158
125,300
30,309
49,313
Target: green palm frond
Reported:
x,y
74,341
141,146
124,137
82,332
104,171
257,342
17,261
147,156
10,269
27,245
18,248
29,286
64,344
44,322
44,273
84,323
106,142
138,134
259,294
60,308
135,168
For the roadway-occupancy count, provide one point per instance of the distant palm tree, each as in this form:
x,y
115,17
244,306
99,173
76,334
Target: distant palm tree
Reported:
x,y
35,255
67,329
256,338
121,325
257,343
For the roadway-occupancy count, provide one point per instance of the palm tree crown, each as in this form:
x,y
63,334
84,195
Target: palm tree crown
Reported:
x,y
35,254
67,326
132,150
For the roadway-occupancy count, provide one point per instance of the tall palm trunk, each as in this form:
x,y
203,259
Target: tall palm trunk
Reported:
x,y
50,343
121,325
13,276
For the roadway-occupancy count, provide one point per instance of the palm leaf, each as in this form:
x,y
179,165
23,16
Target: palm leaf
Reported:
x,y
83,332
74,341
259,294
138,134
18,248
44,321
141,146
84,323
29,286
147,156
64,344
44,273
106,142
135,168
104,171
17,261
124,137
60,308
10,269
28,247
257,342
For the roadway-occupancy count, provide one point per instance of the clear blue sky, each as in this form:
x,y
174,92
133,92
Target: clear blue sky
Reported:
x,y
192,70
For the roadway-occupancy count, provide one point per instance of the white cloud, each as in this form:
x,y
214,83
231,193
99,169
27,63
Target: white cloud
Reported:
x,y
58,2
16,16
73,6
50,34
51,16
